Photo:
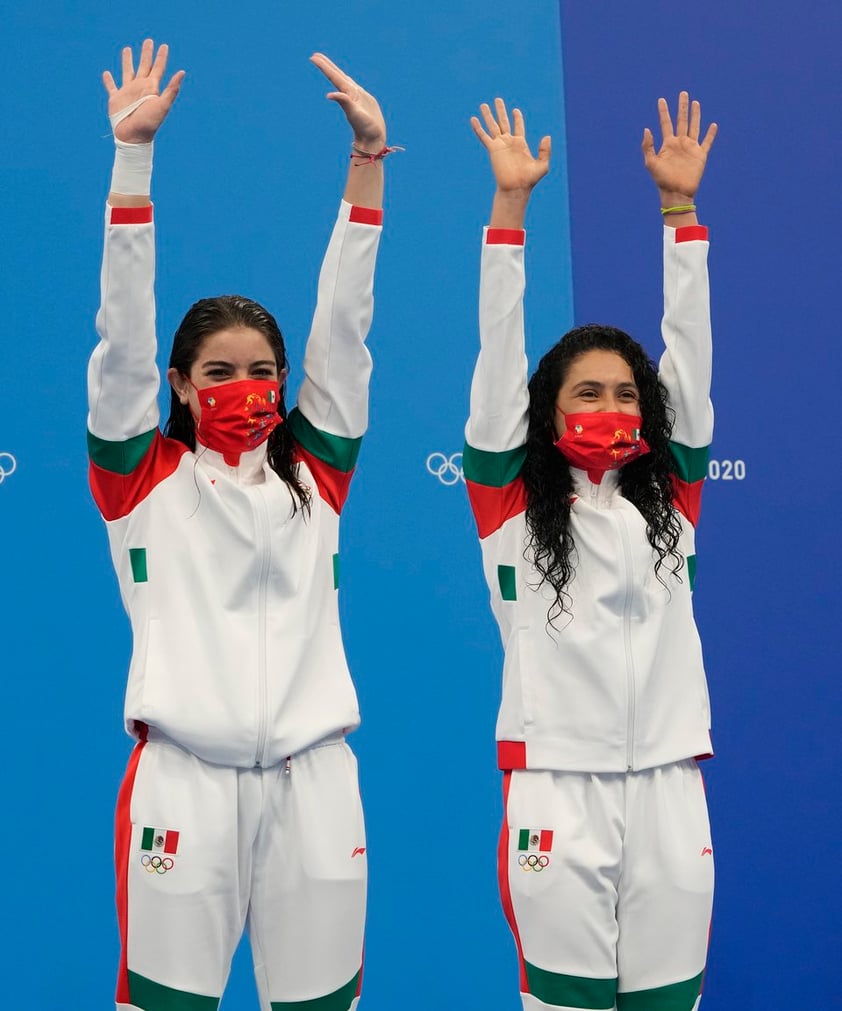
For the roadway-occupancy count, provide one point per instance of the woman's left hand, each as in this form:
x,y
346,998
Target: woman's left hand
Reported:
x,y
361,109
678,167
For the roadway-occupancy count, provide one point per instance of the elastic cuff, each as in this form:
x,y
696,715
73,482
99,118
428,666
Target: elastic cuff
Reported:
x,y
691,233
366,215
505,236
132,173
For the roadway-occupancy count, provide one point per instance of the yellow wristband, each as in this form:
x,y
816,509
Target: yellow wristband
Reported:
x,y
679,209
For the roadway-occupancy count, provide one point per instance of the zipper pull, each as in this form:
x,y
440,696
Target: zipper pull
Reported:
x,y
288,765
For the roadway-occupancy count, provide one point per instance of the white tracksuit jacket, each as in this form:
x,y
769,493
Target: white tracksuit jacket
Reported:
x,y
621,685
232,596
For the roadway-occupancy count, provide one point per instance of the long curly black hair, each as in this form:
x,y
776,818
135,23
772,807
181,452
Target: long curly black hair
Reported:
x,y
204,318
645,481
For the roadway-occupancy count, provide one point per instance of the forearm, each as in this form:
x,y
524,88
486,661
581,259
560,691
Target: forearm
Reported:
x,y
499,397
337,363
364,185
686,365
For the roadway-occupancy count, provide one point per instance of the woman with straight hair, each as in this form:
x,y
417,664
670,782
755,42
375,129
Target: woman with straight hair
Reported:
x,y
585,485
240,807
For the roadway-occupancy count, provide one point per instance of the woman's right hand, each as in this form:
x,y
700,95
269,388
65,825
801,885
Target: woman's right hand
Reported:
x,y
140,126
515,169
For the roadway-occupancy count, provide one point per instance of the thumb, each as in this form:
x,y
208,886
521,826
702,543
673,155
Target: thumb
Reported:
x,y
544,150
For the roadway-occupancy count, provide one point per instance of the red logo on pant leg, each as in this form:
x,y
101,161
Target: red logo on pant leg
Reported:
x,y
358,851
706,850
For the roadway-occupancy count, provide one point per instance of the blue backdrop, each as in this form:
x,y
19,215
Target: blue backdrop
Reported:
x,y
248,173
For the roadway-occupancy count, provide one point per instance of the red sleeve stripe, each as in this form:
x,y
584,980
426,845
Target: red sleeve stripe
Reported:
x,y
687,498
493,506
131,215
117,494
366,215
691,233
505,237
333,484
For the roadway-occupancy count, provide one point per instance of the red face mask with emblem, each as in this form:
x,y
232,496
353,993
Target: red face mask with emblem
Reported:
x,y
237,417
597,441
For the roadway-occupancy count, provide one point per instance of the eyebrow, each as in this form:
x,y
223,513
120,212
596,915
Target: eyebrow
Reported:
x,y
599,385
266,361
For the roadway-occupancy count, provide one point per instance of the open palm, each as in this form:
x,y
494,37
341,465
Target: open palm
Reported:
x,y
142,84
678,166
513,164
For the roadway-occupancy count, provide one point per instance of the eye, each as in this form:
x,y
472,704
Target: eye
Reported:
x,y
589,394
264,372
630,395
216,373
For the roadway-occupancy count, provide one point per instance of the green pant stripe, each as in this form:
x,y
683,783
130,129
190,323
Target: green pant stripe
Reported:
x,y
151,996
571,991
339,1000
674,997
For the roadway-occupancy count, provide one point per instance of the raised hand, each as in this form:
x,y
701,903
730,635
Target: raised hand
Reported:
x,y
140,126
514,166
361,109
677,168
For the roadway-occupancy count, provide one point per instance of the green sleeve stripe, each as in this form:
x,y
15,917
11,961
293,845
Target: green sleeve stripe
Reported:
x,y
336,451
690,464
691,571
571,991
119,457
493,469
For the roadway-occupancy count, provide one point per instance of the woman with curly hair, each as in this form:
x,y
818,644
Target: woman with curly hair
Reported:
x,y
585,487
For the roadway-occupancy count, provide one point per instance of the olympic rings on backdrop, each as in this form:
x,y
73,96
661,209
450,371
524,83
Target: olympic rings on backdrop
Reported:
x,y
8,465
448,469
533,862
156,864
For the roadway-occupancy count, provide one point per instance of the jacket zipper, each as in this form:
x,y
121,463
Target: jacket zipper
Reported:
x,y
630,679
261,513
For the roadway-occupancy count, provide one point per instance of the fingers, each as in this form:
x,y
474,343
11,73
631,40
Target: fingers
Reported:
x,y
695,120
520,128
664,118
128,65
545,150
145,63
502,115
170,93
337,77
108,81
490,121
648,145
681,116
160,64
710,136
478,130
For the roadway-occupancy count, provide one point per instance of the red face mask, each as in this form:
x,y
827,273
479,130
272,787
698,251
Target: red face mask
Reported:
x,y
237,417
597,441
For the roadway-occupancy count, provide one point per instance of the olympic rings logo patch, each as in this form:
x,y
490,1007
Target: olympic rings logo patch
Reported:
x,y
8,465
448,469
156,864
533,862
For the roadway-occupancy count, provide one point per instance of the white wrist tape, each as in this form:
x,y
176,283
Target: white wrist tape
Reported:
x,y
132,174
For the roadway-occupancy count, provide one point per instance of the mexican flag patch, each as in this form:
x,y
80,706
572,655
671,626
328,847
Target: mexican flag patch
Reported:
x,y
159,840
535,839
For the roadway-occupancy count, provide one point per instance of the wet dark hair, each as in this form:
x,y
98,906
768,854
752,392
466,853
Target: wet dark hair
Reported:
x,y
645,481
204,318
